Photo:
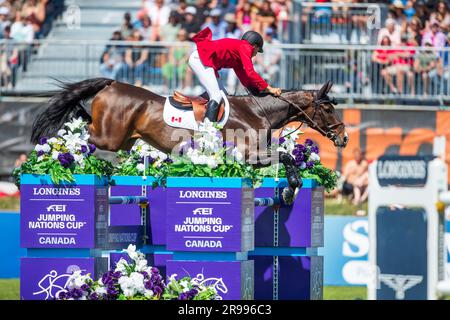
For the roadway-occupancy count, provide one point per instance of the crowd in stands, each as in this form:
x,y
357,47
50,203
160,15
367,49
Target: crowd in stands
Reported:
x,y
178,21
22,21
411,24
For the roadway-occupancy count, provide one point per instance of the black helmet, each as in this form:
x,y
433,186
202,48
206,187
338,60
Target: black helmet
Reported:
x,y
254,37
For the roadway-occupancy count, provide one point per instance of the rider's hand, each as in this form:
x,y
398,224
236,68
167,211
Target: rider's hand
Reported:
x,y
274,91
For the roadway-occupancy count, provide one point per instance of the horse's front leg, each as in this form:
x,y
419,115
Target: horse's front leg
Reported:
x,y
294,180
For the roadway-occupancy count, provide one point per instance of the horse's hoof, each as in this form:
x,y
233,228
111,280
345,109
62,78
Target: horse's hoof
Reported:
x,y
288,195
295,182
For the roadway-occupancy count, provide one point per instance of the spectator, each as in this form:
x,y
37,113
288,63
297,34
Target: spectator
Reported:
x,y
127,27
392,31
22,29
21,159
176,69
435,36
245,17
190,23
4,21
216,25
9,61
181,8
159,14
414,29
136,60
203,10
425,63
267,64
225,7
35,12
265,17
170,31
441,15
146,30
401,62
356,178
112,64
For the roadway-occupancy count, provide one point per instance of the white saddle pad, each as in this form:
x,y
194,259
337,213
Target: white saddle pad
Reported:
x,y
180,118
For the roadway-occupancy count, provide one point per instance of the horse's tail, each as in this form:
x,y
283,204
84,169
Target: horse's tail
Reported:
x,y
65,104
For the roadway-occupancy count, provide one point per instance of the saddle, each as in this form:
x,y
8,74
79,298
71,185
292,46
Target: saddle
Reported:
x,y
196,103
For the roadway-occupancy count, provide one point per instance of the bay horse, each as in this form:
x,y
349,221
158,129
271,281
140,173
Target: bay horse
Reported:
x,y
122,113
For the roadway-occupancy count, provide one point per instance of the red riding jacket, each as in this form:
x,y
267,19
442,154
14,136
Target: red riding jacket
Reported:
x,y
229,53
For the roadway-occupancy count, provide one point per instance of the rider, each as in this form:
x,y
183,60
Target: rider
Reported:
x,y
213,55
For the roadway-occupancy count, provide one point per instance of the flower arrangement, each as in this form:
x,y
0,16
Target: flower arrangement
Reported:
x,y
133,279
306,158
207,155
132,163
63,156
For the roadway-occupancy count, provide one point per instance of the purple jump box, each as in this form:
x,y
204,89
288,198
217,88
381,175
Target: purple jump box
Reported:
x,y
68,215
210,214
233,280
298,277
299,225
43,278
130,214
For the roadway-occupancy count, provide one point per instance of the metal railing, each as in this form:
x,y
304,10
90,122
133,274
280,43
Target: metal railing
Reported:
x,y
358,72
333,22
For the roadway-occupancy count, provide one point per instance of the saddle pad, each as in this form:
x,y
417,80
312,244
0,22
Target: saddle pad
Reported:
x,y
184,118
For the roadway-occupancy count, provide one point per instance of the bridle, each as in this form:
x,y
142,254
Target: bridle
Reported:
x,y
329,133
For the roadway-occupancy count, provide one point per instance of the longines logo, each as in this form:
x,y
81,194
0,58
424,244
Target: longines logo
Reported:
x,y
400,283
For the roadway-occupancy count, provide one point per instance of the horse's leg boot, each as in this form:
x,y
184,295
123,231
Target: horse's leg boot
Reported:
x,y
212,110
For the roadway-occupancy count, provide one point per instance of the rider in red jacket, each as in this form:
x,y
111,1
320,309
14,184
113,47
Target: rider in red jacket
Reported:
x,y
213,55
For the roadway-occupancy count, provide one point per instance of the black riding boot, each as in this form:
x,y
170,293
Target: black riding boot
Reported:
x,y
212,110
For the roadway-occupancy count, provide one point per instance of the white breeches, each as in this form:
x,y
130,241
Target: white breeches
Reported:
x,y
206,76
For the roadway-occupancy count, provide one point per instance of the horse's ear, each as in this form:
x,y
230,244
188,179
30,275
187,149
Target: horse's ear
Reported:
x,y
329,85
322,91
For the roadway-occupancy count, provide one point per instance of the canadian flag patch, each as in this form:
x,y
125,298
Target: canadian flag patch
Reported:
x,y
176,119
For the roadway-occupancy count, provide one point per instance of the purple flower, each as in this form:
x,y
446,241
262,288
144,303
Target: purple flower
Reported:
x,y
168,160
84,149
92,148
309,142
301,147
43,140
309,164
40,153
157,290
227,144
66,159
85,287
282,140
154,270
183,296
315,149
94,296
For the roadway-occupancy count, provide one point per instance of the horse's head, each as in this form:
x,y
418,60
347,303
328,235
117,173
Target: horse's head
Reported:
x,y
322,117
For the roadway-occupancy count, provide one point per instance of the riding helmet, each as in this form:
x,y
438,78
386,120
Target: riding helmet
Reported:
x,y
254,37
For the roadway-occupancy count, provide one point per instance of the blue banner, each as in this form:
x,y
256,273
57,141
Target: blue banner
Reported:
x,y
345,251
10,251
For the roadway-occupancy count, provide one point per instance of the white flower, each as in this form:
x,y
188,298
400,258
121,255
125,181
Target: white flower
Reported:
x,y
303,165
140,167
76,280
121,266
141,265
131,251
149,294
46,148
212,163
78,158
75,124
314,157
61,132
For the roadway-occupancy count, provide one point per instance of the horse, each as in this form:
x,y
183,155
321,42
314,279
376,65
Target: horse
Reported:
x,y
122,113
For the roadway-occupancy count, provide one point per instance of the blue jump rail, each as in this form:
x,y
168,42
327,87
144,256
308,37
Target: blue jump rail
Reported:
x,y
259,202
128,200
